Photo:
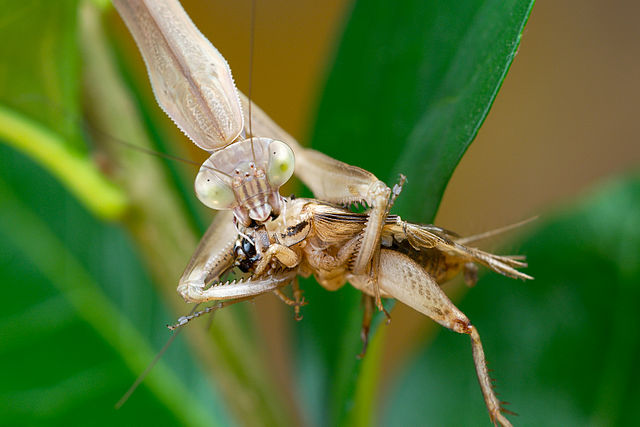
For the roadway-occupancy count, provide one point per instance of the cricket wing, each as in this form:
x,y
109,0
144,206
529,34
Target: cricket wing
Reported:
x,y
427,236
334,225
191,80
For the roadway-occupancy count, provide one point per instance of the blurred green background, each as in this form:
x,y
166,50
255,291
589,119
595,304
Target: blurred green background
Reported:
x,y
90,259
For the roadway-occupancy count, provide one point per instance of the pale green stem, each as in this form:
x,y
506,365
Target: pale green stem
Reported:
x,y
75,170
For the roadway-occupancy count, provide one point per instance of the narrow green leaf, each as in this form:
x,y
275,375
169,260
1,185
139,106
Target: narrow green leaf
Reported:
x,y
410,86
564,348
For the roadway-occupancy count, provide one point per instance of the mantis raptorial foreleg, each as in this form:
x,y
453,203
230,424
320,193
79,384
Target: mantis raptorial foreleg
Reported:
x,y
214,256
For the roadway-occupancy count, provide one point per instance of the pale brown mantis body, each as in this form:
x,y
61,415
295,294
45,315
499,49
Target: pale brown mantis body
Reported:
x,y
379,254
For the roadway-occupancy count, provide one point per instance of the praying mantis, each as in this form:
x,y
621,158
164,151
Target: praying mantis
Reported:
x,y
272,238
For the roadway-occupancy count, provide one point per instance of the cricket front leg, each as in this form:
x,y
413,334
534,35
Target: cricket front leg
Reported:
x,y
285,255
407,281
297,301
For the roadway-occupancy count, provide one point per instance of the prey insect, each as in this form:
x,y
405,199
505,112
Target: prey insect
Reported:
x,y
274,239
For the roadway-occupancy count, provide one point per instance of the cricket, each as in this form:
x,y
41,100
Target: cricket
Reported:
x,y
269,240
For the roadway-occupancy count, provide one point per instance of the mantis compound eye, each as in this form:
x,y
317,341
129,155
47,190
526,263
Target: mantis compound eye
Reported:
x,y
212,191
281,163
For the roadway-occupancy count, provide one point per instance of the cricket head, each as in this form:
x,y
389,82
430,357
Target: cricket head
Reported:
x,y
246,177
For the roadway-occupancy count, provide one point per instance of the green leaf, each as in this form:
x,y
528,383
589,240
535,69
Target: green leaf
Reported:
x,y
564,348
410,86
39,98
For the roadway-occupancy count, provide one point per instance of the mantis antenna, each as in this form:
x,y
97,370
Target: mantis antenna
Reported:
x,y
252,31
149,151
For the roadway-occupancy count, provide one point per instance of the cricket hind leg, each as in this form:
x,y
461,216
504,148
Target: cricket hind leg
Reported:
x,y
407,281
486,385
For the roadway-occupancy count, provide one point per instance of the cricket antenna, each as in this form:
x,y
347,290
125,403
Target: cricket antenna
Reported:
x,y
252,31
144,373
150,366
491,233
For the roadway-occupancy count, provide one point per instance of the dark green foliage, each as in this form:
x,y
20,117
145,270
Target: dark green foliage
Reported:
x,y
566,344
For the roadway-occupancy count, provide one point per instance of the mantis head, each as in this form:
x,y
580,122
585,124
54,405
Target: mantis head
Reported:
x,y
246,177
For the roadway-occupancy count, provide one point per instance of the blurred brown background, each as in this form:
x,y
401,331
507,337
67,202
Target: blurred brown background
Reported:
x,y
565,119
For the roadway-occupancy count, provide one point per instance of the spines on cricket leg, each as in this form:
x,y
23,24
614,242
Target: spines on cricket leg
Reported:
x,y
490,399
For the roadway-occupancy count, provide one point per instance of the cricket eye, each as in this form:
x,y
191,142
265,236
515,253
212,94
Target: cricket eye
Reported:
x,y
281,163
213,192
